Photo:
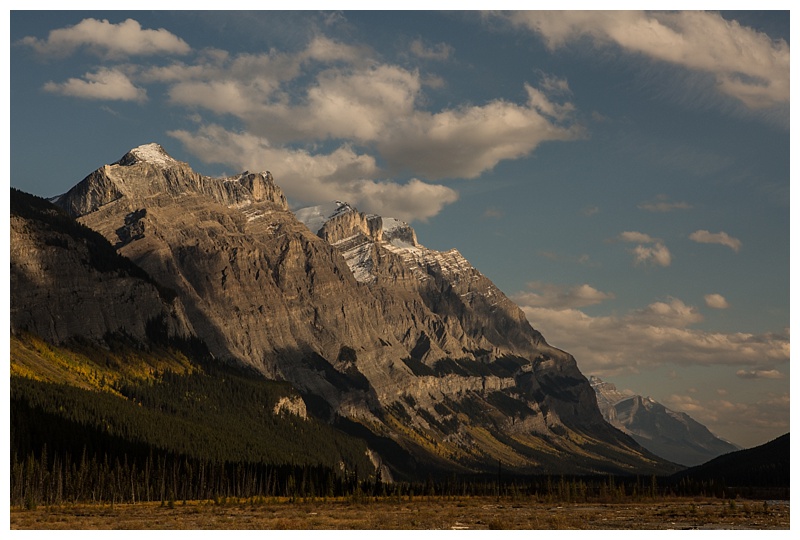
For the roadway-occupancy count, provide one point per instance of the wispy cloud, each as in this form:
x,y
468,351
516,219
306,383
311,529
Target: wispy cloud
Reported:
x,y
746,65
439,51
553,296
493,212
104,84
662,204
704,237
108,40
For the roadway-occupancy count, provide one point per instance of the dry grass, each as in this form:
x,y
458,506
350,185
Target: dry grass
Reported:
x,y
464,513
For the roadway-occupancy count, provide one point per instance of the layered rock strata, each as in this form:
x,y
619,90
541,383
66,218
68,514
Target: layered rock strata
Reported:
x,y
415,345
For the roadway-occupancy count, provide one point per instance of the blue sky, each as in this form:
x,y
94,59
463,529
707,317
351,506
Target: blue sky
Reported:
x,y
623,176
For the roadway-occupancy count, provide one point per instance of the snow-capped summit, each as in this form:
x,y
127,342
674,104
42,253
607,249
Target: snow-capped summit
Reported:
x,y
152,153
314,217
147,173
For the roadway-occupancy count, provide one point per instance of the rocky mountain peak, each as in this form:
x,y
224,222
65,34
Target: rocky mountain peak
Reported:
x,y
152,153
147,175
399,233
672,435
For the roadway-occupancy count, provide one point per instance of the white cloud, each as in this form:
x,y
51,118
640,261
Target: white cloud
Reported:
x,y
716,301
745,64
636,237
317,178
657,254
674,314
465,142
104,84
346,95
324,49
722,238
108,39
555,296
656,335
329,93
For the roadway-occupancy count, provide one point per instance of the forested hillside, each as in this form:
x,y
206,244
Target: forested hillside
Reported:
x,y
212,431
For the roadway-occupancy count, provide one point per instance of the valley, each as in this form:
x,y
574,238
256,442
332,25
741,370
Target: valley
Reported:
x,y
421,513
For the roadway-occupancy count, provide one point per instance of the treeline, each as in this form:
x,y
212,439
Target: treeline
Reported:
x,y
52,479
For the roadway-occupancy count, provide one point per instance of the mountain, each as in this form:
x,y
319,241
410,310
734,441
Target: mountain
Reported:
x,y
675,436
759,472
105,369
67,281
410,349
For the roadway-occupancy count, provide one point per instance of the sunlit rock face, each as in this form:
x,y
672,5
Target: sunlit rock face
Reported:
x,y
413,344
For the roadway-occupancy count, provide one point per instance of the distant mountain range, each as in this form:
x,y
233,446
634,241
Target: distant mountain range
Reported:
x,y
675,436
333,317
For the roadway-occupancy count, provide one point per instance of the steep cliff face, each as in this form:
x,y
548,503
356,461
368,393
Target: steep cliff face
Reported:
x,y
415,345
453,321
67,282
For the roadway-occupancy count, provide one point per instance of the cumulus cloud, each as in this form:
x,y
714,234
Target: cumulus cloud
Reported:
x,y
104,84
327,94
655,335
318,178
663,204
674,314
746,65
555,296
656,254
722,238
716,301
348,95
107,39
465,142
